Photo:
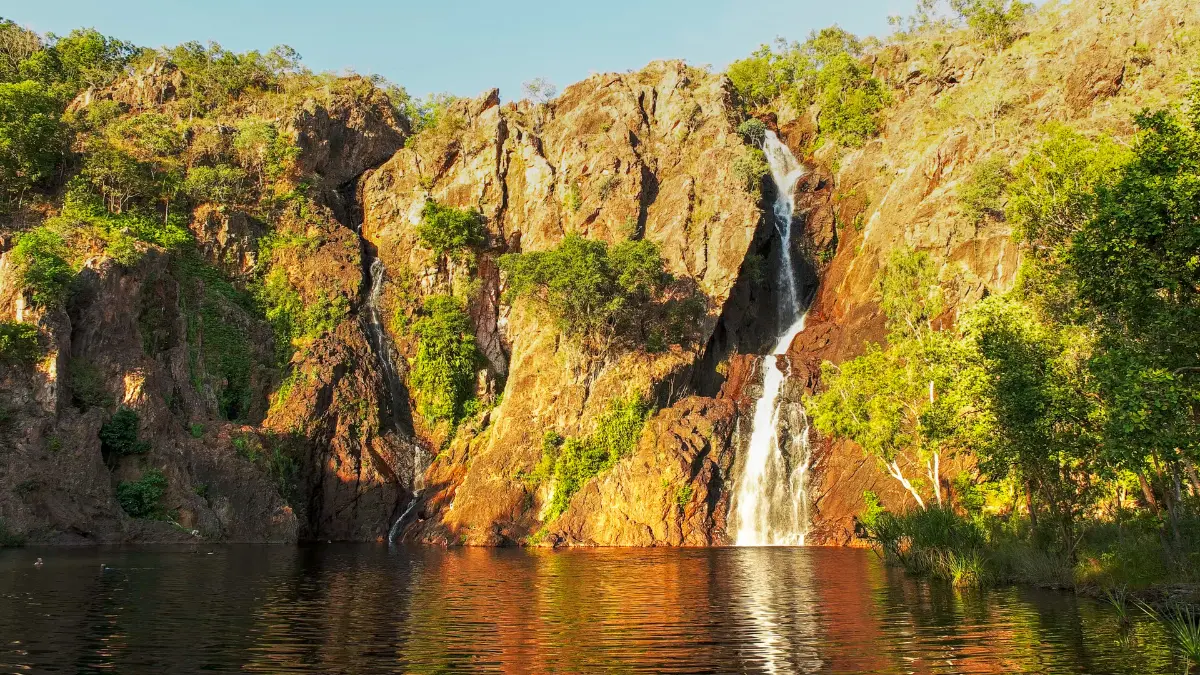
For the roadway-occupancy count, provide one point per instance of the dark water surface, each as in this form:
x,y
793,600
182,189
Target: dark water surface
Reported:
x,y
367,609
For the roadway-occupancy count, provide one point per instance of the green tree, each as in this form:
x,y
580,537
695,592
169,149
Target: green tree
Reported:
x,y
42,268
594,293
119,435
31,138
994,21
449,231
908,403
142,498
20,343
443,371
982,194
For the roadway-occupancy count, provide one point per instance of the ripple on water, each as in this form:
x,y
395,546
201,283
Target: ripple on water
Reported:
x,y
368,609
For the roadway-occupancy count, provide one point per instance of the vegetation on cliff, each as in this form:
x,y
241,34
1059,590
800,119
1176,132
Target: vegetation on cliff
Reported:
x,y
1076,390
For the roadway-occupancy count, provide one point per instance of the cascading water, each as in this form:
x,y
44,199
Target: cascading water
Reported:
x,y
770,501
382,346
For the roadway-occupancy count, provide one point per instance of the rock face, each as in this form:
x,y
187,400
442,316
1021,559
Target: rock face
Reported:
x,y
332,446
646,155
1080,61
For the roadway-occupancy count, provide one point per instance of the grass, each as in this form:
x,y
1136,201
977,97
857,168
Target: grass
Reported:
x,y
1183,624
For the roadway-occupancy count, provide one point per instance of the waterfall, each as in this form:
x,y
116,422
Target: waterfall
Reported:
x,y
381,344
770,502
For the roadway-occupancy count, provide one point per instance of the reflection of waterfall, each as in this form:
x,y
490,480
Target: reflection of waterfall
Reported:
x,y
777,592
770,501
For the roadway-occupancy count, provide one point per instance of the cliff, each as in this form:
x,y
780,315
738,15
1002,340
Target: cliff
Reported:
x,y
269,357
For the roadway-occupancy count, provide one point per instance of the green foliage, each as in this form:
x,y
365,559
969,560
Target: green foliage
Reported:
x,y
83,59
8,538
87,385
31,138
214,75
20,343
826,70
683,495
443,371
142,498
296,322
751,168
197,430
449,231
594,292
573,199
119,435
581,459
994,21
42,267
753,131
982,195
221,184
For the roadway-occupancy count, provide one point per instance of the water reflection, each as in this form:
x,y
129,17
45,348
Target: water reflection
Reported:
x,y
365,609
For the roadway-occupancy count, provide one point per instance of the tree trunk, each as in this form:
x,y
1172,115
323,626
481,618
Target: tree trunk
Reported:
x,y
1195,478
1148,492
894,470
935,475
1029,505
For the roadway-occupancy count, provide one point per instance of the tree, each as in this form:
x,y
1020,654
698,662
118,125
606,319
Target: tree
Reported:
x,y
31,138
83,59
909,401
443,371
994,21
540,90
449,231
42,268
1042,420
595,293
20,343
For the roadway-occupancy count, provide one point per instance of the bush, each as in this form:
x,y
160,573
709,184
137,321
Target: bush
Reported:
x,y
221,184
982,195
751,168
119,435
443,371
87,385
594,292
753,131
31,137
143,498
994,21
20,343
42,267
447,230
581,459
295,321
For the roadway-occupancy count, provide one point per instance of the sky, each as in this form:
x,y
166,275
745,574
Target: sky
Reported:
x,y
465,47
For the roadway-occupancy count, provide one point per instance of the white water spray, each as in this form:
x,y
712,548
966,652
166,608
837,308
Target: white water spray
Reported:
x,y
771,502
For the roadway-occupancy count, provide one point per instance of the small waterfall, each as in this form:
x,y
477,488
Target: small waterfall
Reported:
x,y
381,344
770,501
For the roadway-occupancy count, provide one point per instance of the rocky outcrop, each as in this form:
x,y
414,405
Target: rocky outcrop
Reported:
x,y
646,155
958,105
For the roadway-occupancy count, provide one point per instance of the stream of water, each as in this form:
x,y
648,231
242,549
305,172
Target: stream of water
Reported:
x,y
770,501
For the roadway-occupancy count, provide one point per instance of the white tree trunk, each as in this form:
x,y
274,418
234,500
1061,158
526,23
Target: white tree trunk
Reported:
x,y
935,476
893,468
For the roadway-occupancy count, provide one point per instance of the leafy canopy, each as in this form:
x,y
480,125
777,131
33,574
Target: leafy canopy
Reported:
x,y
443,371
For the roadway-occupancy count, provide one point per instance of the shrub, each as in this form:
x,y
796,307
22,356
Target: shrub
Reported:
x,y
594,292
42,267
994,21
143,498
20,343
447,230
295,321
197,430
753,131
683,495
221,184
119,435
443,371
982,194
581,459
751,168
87,385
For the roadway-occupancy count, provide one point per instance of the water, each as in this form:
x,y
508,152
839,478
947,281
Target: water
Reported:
x,y
771,498
370,609
381,344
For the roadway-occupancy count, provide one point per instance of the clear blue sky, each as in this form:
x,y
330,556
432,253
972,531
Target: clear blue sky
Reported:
x,y
466,46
